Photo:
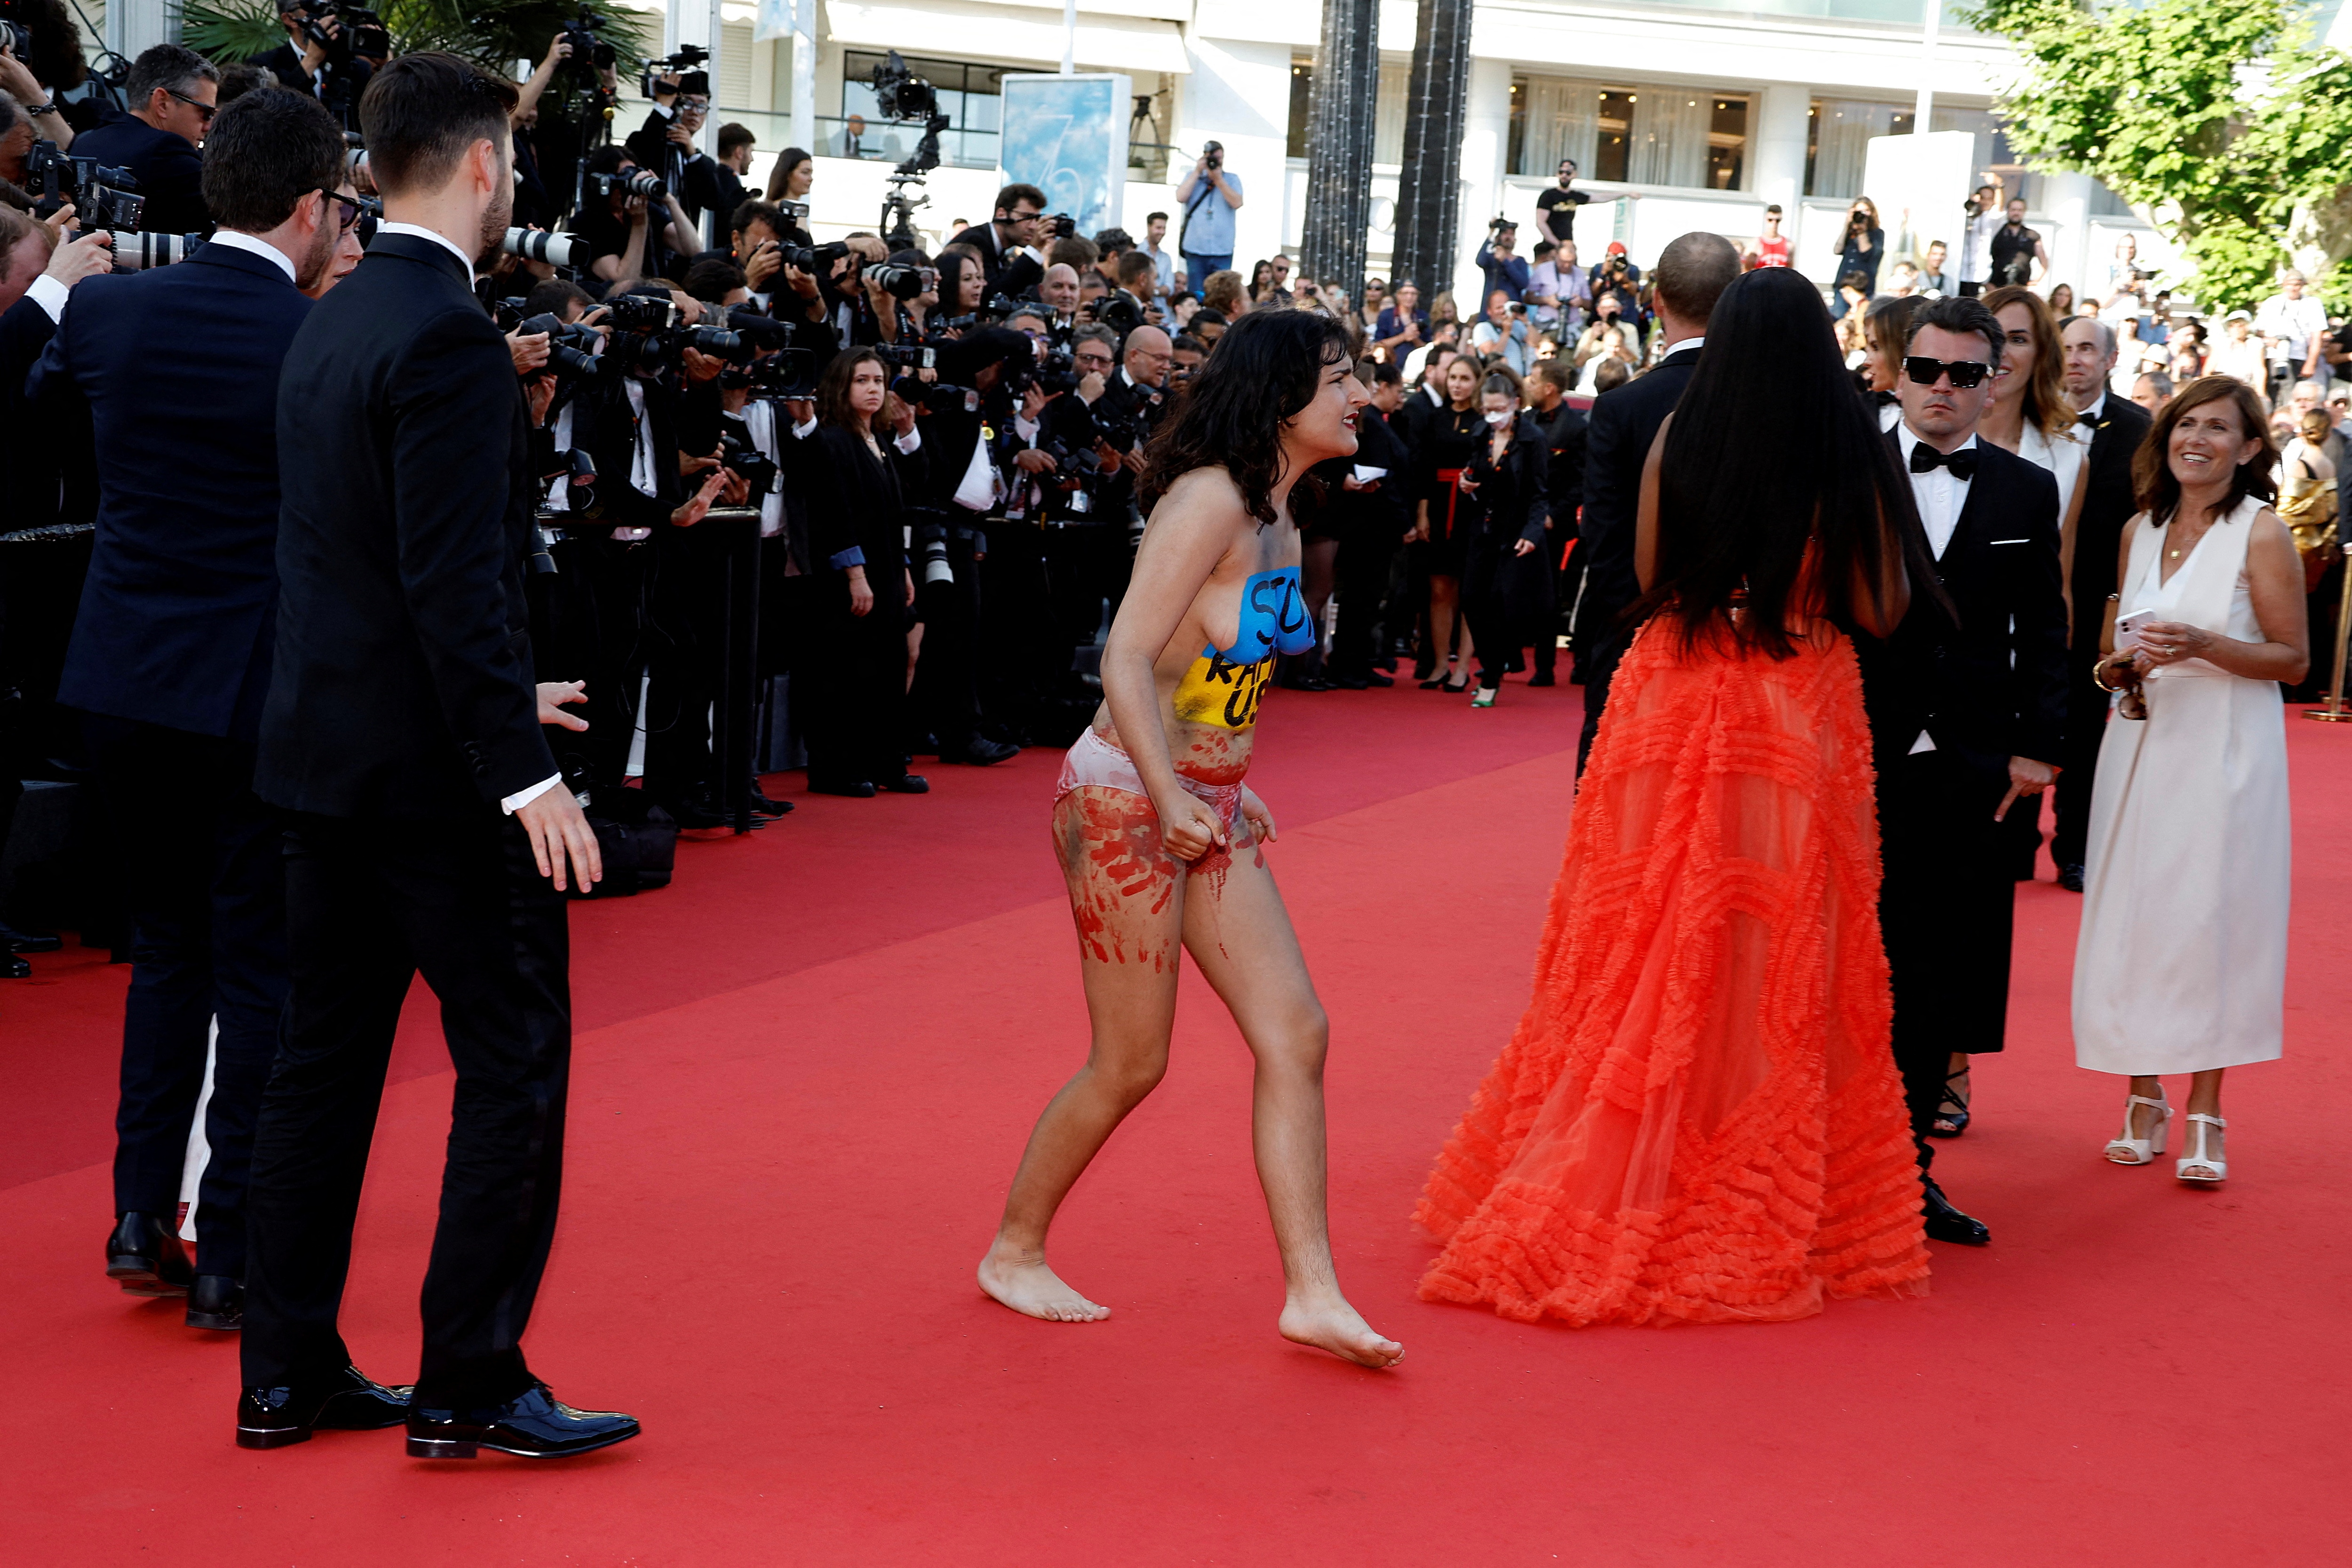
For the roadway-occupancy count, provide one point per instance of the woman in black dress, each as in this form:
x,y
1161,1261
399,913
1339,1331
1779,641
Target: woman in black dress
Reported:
x,y
1444,513
853,673
1506,476
1861,249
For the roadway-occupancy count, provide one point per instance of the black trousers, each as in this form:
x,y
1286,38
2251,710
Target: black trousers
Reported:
x,y
1491,631
686,651
1596,666
851,678
1087,567
1946,909
2086,726
208,943
370,904
1362,573
589,625
946,694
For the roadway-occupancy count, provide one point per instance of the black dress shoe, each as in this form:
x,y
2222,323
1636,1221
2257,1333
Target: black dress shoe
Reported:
x,y
14,941
1376,679
146,1255
1353,682
216,1302
347,1401
2071,878
1543,677
1945,1222
766,806
979,752
534,1424
855,789
907,783
15,968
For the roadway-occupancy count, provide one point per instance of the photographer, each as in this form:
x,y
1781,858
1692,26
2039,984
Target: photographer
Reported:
x,y
1209,196
170,660
851,672
171,91
1504,334
31,102
1619,277
1403,325
1007,244
616,217
1499,258
317,59
1608,336
536,205
665,143
903,316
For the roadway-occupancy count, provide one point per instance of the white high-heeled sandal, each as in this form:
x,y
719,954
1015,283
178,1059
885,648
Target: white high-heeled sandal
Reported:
x,y
2215,1170
2125,1150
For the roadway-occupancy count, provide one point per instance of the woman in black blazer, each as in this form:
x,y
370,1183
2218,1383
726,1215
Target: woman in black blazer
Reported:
x,y
1506,476
853,677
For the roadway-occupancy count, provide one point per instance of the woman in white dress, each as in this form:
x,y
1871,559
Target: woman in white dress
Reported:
x,y
2181,964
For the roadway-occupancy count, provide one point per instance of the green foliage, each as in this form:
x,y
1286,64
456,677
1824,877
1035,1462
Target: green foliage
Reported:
x,y
494,33
2222,116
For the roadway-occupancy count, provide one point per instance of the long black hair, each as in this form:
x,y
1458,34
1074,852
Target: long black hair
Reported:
x,y
1770,455
1268,367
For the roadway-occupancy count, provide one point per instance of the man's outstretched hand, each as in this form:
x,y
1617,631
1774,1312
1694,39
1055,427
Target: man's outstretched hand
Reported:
x,y
560,831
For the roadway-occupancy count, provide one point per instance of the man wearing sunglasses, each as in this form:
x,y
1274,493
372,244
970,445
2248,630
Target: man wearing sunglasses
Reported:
x,y
1968,710
171,91
171,657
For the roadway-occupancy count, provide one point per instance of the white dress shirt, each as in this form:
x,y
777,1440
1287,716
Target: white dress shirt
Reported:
x,y
1941,495
235,240
418,231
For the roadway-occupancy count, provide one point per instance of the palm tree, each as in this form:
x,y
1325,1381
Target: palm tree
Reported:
x,y
492,33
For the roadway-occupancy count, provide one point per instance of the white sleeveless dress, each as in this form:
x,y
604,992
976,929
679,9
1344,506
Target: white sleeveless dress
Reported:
x,y
2182,963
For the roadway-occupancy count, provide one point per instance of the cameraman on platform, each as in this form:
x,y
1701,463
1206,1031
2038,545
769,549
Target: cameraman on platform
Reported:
x,y
171,659
665,143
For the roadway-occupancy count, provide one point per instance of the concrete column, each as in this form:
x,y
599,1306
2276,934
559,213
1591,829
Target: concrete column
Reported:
x,y
134,27
2066,206
1339,144
1429,196
1776,140
1485,158
1238,93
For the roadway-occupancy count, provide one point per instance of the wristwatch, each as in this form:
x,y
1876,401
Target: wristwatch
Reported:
x,y
48,108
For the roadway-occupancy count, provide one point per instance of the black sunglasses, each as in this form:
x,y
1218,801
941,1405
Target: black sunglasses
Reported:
x,y
1965,373
205,111
353,208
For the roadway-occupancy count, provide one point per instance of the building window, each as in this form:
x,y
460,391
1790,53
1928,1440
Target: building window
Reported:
x,y
1689,137
1388,114
970,96
1302,89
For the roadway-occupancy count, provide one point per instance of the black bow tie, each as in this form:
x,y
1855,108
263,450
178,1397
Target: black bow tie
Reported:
x,y
2088,417
1883,399
1926,460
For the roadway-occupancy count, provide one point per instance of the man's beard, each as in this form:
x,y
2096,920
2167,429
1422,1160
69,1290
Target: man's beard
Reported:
x,y
494,223
311,270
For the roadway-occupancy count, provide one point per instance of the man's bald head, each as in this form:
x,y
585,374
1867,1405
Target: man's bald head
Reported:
x,y
1149,355
1060,287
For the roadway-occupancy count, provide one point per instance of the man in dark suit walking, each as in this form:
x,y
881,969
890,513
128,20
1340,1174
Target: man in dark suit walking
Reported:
x,y
171,91
170,662
2093,555
1691,275
1967,711
429,831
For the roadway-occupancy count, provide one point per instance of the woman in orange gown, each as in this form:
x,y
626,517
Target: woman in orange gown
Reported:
x,y
1698,1119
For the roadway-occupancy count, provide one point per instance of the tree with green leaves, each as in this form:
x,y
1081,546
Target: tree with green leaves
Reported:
x,y
2225,118
494,33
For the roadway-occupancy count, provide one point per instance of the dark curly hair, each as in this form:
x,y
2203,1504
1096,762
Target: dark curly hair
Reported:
x,y
1268,367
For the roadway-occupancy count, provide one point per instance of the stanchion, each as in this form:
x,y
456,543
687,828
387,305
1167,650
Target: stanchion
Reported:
x,y
2334,711
731,738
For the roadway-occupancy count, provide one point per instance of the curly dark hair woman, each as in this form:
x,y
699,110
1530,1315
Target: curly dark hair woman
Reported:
x,y
1234,413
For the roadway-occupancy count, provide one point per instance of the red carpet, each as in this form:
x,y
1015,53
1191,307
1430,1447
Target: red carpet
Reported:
x,y
803,1075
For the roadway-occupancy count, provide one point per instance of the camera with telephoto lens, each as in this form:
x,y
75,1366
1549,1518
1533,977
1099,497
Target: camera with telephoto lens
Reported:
x,y
932,397
682,66
16,38
632,182
136,252
928,540
1121,428
102,196
755,467
901,282
816,261
1073,463
358,31
641,312
566,250
907,356
570,349
787,375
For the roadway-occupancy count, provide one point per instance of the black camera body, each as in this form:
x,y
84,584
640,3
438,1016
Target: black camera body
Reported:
x,y
902,283
633,183
587,49
361,32
935,397
788,375
900,93
816,261
794,212
907,356
755,467
103,196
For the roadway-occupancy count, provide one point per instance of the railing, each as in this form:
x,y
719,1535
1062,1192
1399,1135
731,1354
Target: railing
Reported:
x,y
893,141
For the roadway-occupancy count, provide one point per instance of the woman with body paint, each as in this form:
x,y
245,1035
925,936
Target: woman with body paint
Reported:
x,y
1161,840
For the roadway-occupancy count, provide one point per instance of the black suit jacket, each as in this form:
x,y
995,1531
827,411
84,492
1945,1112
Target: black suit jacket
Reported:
x,y
1564,441
176,613
167,166
1618,434
1015,277
404,682
2107,505
1987,681
856,505
29,478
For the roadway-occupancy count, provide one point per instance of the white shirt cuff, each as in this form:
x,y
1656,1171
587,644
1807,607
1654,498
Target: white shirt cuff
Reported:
x,y
801,431
523,798
910,443
49,295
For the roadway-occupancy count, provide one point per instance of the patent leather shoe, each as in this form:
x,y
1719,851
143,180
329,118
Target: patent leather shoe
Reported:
x,y
2071,878
145,1254
15,941
907,783
766,806
216,1302
1945,1222
979,751
534,1424
855,789
348,1402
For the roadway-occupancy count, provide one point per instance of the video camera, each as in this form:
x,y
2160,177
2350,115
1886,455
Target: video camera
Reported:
x,y
900,94
101,197
683,66
587,49
358,30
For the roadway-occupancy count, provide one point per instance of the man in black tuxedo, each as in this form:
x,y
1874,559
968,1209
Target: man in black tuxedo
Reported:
x,y
1549,384
1007,243
428,829
1371,517
1967,711
1691,275
2117,427
170,662
171,91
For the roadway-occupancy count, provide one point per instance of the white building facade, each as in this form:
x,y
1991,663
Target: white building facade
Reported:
x,y
1706,111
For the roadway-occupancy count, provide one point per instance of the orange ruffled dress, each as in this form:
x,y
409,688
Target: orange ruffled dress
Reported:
x,y
1698,1119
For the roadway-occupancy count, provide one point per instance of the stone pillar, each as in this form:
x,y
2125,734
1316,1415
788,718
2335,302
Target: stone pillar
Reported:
x,y
2066,209
1777,170
1429,194
1339,115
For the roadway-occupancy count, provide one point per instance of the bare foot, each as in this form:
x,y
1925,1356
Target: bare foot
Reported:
x,y
1021,1281
1328,1323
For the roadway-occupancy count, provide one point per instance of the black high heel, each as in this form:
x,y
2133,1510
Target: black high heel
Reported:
x,y
1952,1112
